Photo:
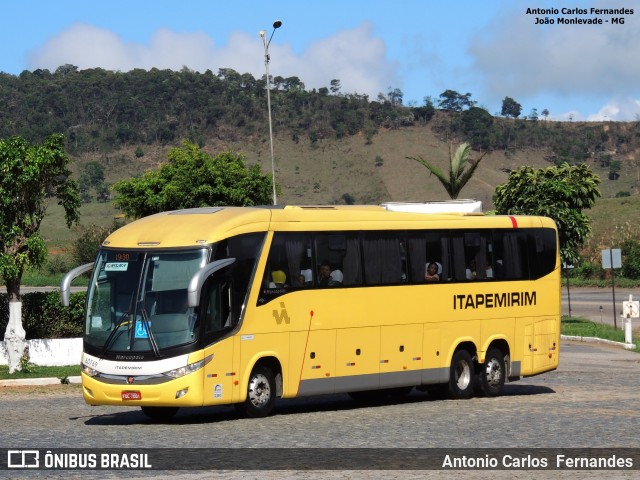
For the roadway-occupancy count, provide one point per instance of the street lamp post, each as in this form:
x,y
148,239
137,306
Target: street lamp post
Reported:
x,y
277,24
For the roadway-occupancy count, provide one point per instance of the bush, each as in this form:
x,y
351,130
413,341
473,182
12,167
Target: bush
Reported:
x,y
631,258
43,315
58,263
586,270
87,243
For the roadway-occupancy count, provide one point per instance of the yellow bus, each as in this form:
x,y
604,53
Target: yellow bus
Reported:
x,y
241,306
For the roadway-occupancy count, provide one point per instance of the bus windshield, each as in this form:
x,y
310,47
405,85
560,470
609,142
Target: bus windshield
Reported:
x,y
137,301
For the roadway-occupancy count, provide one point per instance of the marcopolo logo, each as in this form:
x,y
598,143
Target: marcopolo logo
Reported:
x,y
23,459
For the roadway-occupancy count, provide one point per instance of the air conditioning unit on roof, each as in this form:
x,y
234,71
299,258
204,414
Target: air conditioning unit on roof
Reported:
x,y
445,206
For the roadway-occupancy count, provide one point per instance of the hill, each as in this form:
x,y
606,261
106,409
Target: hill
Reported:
x,y
330,147
354,170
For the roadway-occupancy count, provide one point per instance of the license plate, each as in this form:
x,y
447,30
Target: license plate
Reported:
x,y
131,395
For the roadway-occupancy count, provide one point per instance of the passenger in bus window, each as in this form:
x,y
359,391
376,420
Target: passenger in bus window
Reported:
x,y
431,274
472,273
305,279
471,270
328,278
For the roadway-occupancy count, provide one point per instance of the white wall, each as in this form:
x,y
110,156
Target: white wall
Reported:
x,y
50,352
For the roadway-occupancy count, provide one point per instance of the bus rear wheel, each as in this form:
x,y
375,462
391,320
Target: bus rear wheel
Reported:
x,y
461,375
261,393
492,373
159,413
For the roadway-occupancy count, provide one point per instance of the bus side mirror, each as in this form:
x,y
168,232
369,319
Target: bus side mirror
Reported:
x,y
196,282
65,285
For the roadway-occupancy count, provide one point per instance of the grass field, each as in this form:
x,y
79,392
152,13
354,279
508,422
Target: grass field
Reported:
x,y
370,173
35,371
581,327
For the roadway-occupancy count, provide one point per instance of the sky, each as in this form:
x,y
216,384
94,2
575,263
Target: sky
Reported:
x,y
492,49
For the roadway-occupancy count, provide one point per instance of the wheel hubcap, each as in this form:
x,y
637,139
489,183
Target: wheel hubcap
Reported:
x,y
463,375
259,391
493,372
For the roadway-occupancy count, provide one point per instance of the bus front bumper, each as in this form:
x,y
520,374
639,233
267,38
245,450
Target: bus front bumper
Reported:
x,y
180,392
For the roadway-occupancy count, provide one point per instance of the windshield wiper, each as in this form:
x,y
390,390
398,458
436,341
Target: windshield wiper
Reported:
x,y
152,338
112,335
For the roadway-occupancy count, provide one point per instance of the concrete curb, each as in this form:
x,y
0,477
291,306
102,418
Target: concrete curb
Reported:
x,y
37,381
628,346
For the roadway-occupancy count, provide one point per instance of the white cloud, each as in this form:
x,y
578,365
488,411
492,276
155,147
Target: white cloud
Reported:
x,y
618,109
355,56
520,59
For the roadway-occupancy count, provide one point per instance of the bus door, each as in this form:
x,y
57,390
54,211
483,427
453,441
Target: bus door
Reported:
x,y
217,321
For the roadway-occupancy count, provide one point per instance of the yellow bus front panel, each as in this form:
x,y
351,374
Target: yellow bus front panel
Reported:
x,y
181,392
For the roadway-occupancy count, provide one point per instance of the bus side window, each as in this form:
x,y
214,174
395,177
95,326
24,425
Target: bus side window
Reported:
x,y
352,262
288,265
216,310
343,253
331,249
383,258
425,247
542,251
511,257
473,255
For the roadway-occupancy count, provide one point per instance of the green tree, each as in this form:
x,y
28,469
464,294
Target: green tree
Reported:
x,y
510,108
88,241
192,178
453,101
28,175
631,254
426,112
95,173
458,174
559,192
476,124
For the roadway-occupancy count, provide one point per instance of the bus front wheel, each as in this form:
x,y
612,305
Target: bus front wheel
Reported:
x,y
492,373
461,375
261,393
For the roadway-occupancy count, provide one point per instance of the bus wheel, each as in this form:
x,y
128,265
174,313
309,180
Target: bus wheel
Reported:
x,y
492,373
159,413
461,375
261,393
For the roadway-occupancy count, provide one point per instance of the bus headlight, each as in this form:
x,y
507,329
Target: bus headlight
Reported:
x,y
187,369
87,370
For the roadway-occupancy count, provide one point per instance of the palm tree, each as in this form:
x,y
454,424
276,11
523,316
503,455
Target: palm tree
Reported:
x,y
458,176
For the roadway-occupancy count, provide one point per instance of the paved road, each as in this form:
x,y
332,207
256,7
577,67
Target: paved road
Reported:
x,y
597,304
590,401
